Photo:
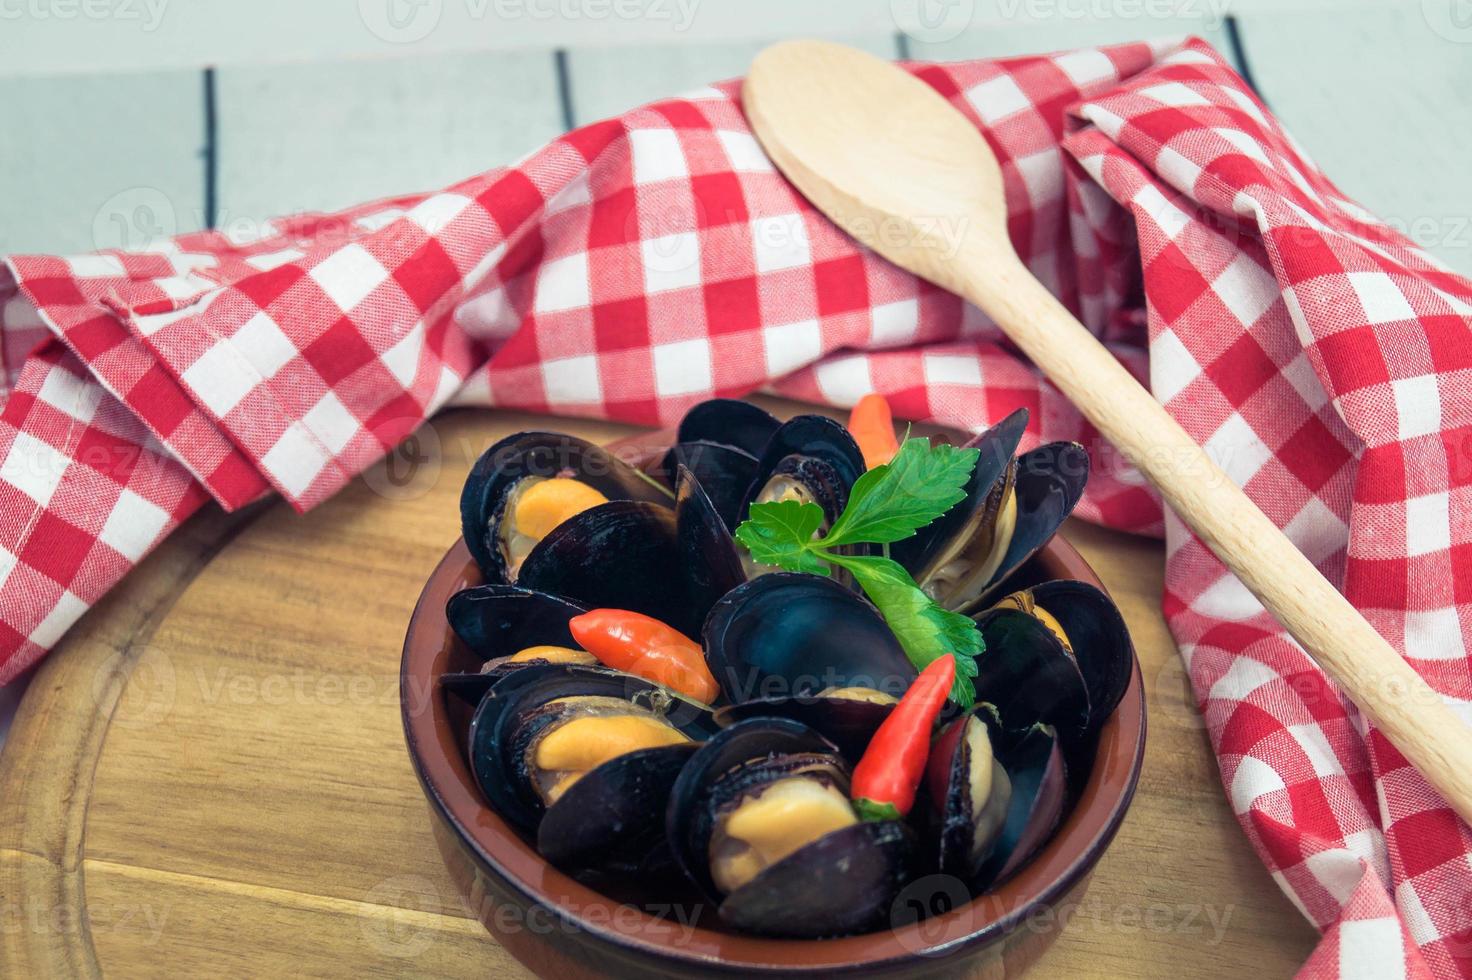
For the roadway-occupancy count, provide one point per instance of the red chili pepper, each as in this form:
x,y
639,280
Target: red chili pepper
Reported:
x,y
644,646
886,777
872,426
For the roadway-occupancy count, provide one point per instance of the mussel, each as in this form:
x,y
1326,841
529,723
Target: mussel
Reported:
x,y
1028,676
719,441
1013,506
728,422
724,473
997,795
619,555
528,484
709,562
970,790
1038,780
1089,628
760,820
581,757
801,646
509,627
811,459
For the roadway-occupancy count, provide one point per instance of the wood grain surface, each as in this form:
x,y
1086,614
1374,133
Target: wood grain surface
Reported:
x,y
209,778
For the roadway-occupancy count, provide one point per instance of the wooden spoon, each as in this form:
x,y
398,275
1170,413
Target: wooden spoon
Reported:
x,y
890,161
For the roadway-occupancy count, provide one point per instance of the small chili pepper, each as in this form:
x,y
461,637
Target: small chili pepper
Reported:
x,y
642,645
872,425
886,777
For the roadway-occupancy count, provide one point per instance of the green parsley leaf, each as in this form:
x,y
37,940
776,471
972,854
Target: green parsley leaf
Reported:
x,y
893,501
925,630
887,504
780,533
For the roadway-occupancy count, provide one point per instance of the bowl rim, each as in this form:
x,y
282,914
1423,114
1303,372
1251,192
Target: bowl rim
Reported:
x,y
444,775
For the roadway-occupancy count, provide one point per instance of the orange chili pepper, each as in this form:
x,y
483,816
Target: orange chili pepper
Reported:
x,y
872,426
642,645
886,777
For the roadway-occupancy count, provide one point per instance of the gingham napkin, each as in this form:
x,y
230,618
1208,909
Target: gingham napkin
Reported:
x,y
638,265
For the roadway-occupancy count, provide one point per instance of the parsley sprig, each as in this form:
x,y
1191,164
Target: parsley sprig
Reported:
x,y
887,504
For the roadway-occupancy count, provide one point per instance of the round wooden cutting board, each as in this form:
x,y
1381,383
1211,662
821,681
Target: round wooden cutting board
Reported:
x,y
209,778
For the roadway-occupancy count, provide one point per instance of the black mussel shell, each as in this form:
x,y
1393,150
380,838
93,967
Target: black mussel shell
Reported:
x,y
1050,481
789,633
724,472
498,620
1038,776
618,555
846,722
958,851
469,687
1097,635
816,451
1028,676
495,730
995,448
688,820
729,422
608,818
709,562
540,454
841,883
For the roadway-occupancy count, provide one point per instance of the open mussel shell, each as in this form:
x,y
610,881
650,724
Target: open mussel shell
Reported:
x,y
1038,788
710,565
728,422
524,707
847,719
791,634
843,881
1049,482
970,789
810,457
724,472
1027,674
1089,626
609,818
618,555
497,622
503,470
941,541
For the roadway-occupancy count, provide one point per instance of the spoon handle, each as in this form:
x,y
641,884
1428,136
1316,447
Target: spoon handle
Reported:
x,y
1392,695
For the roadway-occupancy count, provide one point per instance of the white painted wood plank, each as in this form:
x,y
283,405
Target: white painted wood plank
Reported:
x,y
1381,102
1062,33
105,35
607,81
100,161
323,137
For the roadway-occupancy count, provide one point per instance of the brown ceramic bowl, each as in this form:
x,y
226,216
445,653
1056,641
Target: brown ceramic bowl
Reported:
x,y
560,927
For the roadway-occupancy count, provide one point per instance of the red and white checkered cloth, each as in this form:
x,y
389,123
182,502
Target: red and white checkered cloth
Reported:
x,y
638,265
